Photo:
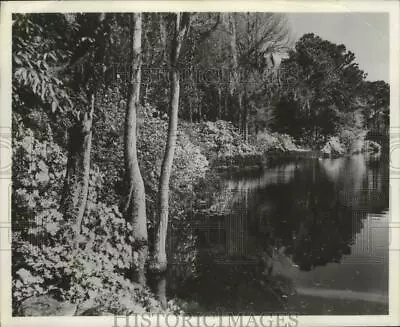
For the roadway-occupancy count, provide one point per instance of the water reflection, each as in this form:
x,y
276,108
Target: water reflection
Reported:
x,y
267,236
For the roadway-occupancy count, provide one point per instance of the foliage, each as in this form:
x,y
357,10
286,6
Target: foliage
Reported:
x,y
318,99
376,107
45,259
220,141
94,272
38,167
37,50
189,166
321,83
333,147
275,142
107,151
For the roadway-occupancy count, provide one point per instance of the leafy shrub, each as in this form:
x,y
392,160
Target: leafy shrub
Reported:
x,y
221,142
189,163
275,142
333,147
93,272
352,140
38,167
45,258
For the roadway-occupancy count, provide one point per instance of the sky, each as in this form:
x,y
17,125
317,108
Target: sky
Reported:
x,y
365,34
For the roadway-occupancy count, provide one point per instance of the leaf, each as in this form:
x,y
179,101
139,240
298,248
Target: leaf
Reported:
x,y
92,294
43,89
42,166
54,106
35,84
17,60
42,177
25,76
26,276
52,228
52,56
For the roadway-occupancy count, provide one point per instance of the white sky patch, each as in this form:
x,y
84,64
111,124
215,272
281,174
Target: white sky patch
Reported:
x,y
365,34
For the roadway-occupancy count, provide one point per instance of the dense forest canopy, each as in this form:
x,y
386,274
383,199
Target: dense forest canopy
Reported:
x,y
117,117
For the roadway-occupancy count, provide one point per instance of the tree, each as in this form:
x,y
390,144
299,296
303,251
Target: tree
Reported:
x,y
258,37
376,107
76,183
182,23
42,57
320,83
36,52
242,44
135,206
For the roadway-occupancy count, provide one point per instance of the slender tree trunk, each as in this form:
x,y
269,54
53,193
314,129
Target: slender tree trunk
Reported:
x,y
240,113
235,78
226,105
199,112
190,110
246,122
76,183
160,256
135,205
219,114
163,36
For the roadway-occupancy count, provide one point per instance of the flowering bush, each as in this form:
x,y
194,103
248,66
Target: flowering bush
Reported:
x,y
275,142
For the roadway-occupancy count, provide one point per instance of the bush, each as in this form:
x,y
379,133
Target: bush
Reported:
x,y
221,143
333,147
352,140
38,170
45,258
275,142
189,163
94,272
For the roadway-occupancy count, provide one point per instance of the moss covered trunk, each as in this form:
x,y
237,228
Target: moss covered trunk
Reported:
x,y
76,183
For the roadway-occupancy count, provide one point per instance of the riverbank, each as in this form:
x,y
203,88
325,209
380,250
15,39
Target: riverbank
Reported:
x,y
201,148
223,146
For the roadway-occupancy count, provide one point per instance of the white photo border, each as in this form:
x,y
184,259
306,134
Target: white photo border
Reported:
x,y
390,7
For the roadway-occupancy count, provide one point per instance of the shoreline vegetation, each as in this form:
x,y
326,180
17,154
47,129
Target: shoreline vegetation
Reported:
x,y
106,164
224,148
220,147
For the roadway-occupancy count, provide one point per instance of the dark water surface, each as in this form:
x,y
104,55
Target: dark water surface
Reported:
x,y
307,236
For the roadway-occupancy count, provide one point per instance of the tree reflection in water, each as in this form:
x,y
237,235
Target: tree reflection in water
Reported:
x,y
257,226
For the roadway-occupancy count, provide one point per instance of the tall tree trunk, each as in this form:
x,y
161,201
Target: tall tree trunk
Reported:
x,y
135,206
245,121
163,36
200,114
226,113
190,110
219,113
235,78
160,256
76,183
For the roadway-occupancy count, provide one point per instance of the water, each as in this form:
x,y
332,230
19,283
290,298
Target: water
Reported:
x,y
308,236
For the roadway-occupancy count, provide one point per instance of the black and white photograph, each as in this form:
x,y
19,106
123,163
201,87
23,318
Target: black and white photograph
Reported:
x,y
198,163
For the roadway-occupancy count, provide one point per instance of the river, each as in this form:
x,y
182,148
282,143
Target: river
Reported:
x,y
309,236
